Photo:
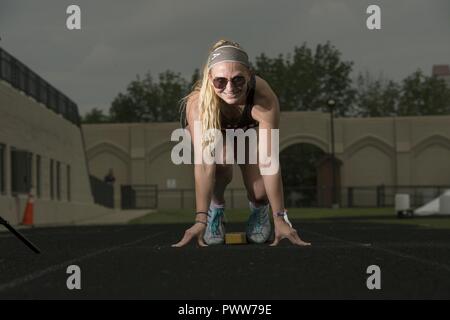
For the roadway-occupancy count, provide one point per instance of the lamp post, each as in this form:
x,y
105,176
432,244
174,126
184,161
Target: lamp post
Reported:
x,y
331,104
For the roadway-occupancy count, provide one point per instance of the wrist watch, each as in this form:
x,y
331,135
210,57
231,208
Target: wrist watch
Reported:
x,y
284,215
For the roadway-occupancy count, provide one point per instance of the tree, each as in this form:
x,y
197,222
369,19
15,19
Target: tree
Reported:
x,y
95,116
306,80
303,81
172,88
376,98
147,101
195,77
422,95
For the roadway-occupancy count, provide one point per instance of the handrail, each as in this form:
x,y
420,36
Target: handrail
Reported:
x,y
24,79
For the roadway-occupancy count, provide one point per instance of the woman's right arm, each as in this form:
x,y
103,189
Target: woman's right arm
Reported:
x,y
204,175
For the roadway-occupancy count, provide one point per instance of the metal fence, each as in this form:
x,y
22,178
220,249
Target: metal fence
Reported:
x,y
419,195
24,79
361,196
102,192
294,197
139,196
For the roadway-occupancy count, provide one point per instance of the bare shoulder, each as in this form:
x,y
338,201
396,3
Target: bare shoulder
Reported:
x,y
265,100
265,97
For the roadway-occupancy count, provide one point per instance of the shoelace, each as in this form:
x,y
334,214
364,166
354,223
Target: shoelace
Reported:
x,y
215,222
256,220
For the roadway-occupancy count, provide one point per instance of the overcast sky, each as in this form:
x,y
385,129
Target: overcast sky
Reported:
x,y
120,39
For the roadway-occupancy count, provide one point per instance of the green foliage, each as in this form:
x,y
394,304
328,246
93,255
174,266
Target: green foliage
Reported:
x,y
417,95
150,101
95,116
422,95
376,98
303,81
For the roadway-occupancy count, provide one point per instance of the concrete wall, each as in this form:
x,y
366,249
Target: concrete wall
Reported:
x,y
374,151
31,126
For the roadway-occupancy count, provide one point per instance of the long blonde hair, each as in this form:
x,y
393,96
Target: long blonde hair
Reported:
x,y
209,102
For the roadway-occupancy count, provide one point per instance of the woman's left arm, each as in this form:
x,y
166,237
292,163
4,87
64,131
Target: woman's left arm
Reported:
x,y
268,115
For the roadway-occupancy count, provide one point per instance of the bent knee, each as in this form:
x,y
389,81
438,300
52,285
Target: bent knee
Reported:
x,y
258,198
224,172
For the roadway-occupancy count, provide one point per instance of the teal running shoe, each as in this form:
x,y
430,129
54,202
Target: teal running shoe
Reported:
x,y
258,225
215,229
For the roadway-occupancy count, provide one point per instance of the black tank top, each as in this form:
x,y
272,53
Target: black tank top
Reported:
x,y
245,122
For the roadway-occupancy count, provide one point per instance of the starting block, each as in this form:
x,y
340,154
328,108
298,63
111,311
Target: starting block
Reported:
x,y
235,238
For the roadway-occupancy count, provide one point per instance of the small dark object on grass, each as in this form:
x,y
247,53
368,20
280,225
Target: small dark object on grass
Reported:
x,y
402,214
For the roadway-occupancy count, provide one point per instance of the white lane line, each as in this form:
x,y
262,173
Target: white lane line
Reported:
x,y
35,275
392,252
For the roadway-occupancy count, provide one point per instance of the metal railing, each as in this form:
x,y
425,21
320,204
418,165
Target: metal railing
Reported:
x,y
102,192
419,195
139,196
24,79
294,197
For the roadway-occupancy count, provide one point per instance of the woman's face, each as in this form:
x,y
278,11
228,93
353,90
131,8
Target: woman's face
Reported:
x,y
230,81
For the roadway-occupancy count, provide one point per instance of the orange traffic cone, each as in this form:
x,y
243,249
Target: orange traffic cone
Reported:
x,y
28,213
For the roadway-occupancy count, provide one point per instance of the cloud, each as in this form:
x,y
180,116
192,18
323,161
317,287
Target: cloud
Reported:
x,y
121,39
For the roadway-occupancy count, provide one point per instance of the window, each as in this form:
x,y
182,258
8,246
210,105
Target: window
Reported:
x,y
171,183
68,182
21,171
2,169
38,176
58,180
51,180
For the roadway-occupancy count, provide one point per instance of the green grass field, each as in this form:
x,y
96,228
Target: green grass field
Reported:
x,y
366,215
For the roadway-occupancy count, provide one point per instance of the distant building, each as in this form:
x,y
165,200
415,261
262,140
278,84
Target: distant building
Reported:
x,y
442,71
388,154
41,150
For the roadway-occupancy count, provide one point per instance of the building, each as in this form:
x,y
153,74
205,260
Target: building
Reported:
x,y
41,150
442,71
377,155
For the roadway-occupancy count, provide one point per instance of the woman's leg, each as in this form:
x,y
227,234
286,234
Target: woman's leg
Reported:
x,y
253,181
254,184
223,177
215,230
258,226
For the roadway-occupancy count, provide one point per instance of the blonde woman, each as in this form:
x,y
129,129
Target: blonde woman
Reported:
x,y
230,96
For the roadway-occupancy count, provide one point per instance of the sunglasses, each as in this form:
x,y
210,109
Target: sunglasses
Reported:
x,y
221,82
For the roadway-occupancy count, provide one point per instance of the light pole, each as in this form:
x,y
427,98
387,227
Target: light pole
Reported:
x,y
331,104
